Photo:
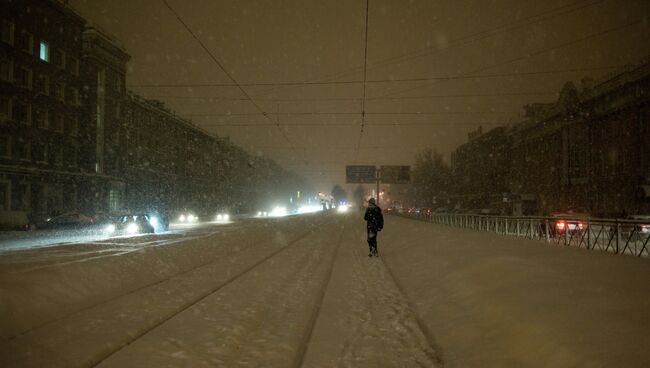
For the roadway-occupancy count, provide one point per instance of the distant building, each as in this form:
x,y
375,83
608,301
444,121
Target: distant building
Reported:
x,y
73,138
587,152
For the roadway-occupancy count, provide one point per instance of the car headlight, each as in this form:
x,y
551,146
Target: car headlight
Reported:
x,y
226,217
181,218
219,217
132,228
109,229
154,221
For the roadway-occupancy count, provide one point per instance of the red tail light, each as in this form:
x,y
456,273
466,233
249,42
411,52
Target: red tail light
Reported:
x,y
645,228
560,225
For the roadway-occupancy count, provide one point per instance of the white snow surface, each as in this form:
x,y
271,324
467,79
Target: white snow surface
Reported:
x,y
301,291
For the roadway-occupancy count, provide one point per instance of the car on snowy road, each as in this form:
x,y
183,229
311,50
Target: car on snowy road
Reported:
x,y
131,224
68,221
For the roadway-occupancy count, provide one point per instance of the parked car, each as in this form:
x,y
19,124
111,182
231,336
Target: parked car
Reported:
x,y
68,221
638,228
571,223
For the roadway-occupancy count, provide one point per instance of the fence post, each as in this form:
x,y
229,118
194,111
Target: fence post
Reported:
x,y
518,234
618,235
566,233
506,228
588,234
548,238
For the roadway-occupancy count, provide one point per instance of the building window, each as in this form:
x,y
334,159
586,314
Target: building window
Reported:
x,y
59,121
5,108
59,58
58,156
20,197
42,119
44,51
24,77
43,85
25,151
4,195
6,70
5,146
73,95
59,91
8,32
71,156
118,83
74,66
40,153
27,42
23,113
73,127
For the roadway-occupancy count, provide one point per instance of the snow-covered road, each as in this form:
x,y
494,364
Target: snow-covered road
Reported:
x,y
301,291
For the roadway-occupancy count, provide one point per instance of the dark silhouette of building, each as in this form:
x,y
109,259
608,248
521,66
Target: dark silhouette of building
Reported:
x,y
587,152
73,138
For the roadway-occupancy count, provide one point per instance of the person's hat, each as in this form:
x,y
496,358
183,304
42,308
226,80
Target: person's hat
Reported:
x,y
371,201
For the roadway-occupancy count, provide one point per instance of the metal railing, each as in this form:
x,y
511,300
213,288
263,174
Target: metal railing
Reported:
x,y
610,235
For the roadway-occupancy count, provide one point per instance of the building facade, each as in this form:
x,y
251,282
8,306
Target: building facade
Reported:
x,y
40,102
73,138
588,152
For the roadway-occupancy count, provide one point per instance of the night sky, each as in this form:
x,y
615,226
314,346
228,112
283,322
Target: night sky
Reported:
x,y
435,69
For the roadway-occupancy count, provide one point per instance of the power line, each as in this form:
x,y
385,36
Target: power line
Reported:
x,y
365,77
394,124
471,37
325,99
222,68
379,81
351,113
471,74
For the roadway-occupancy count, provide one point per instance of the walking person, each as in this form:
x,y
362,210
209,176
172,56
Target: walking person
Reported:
x,y
375,222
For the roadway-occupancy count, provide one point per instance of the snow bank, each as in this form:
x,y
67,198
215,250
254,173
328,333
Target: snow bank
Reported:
x,y
494,300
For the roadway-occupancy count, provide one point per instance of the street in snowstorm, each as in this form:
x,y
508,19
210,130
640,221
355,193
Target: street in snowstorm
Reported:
x,y
303,292
324,183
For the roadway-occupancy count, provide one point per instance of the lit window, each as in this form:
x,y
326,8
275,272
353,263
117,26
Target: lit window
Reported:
x,y
44,53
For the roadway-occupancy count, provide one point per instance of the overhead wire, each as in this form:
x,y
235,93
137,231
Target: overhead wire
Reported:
x,y
223,69
471,74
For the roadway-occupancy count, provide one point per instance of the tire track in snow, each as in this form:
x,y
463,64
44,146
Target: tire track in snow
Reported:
x,y
204,296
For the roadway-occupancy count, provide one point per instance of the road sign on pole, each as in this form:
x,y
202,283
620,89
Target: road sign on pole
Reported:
x,y
395,174
360,174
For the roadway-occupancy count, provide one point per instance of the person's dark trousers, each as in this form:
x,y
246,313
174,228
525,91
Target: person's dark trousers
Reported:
x,y
372,241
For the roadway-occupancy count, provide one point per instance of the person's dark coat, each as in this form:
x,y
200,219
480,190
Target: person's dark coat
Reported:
x,y
374,218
